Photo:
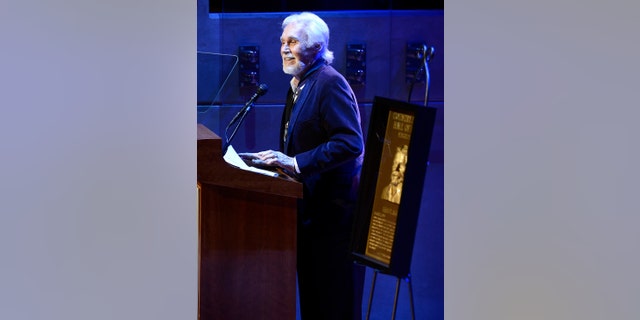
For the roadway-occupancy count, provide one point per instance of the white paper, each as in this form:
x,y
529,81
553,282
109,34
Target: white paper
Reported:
x,y
232,158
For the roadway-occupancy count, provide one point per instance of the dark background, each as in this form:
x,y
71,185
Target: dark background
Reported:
x,y
230,6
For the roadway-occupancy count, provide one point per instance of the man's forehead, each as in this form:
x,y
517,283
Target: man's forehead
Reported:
x,y
289,37
291,31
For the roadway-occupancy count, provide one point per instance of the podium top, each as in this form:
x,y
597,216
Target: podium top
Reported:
x,y
214,170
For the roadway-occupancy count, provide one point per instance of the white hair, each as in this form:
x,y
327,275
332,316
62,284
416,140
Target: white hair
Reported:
x,y
315,31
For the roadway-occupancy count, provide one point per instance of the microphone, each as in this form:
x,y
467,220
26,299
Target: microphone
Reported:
x,y
262,89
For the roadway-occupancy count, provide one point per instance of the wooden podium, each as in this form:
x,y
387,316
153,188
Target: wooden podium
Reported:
x,y
247,239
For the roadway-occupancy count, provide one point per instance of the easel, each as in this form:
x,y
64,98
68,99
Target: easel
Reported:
x,y
390,252
395,298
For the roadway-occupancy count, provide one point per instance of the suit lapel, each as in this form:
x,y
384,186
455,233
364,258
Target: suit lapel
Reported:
x,y
307,82
298,107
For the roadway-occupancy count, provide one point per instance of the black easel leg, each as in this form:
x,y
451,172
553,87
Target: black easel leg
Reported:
x,y
395,299
373,286
413,314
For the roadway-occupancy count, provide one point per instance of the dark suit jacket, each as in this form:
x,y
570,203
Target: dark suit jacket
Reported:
x,y
325,136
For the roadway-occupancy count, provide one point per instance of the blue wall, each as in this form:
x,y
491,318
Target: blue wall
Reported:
x,y
384,33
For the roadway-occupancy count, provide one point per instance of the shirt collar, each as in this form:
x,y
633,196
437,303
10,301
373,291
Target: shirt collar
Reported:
x,y
295,83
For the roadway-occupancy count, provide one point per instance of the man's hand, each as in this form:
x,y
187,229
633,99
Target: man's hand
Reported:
x,y
270,158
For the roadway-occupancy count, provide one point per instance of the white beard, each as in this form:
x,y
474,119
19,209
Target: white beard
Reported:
x,y
294,70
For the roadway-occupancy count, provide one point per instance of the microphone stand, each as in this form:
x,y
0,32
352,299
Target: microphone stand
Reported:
x,y
239,118
262,89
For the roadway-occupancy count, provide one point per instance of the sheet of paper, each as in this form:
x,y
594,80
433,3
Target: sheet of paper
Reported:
x,y
232,158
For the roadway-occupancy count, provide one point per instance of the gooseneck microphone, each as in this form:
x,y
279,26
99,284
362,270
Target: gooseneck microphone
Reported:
x,y
239,117
262,89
